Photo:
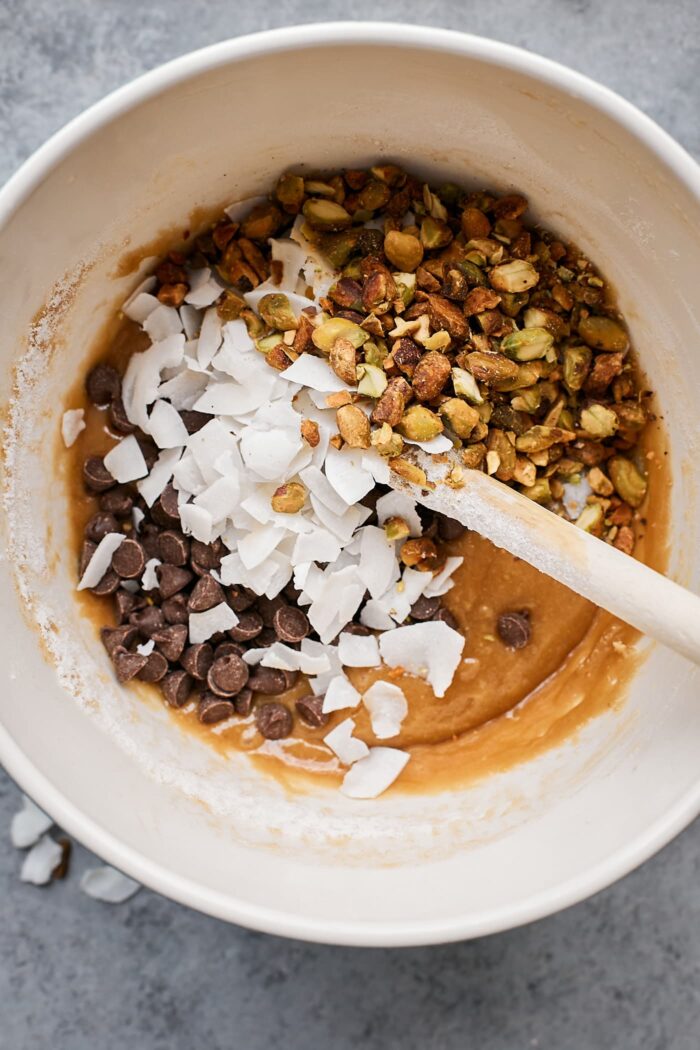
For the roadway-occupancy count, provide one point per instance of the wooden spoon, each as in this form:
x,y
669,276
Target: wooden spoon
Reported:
x,y
625,587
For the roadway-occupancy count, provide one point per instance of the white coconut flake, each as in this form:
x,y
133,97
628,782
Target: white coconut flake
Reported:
x,y
318,484
346,746
354,650
346,474
314,373
435,445
442,582
108,885
28,825
146,648
207,292
340,694
162,470
375,616
316,658
210,336
125,461
430,650
149,580
101,560
203,625
281,657
292,256
41,861
221,498
257,546
575,496
162,322
140,306
371,776
166,426
399,505
72,424
387,706
191,320
269,453
318,545
197,522
378,567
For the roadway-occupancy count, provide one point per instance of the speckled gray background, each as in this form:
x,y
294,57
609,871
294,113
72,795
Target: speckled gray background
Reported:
x,y
620,972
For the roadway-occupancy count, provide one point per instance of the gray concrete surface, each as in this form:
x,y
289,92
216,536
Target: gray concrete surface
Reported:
x,y
620,972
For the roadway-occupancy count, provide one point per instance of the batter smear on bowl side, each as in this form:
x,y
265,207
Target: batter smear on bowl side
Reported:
x,y
238,539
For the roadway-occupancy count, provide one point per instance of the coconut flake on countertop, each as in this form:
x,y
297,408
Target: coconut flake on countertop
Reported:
x,y
347,747
41,861
101,560
387,706
204,624
108,885
372,775
28,824
430,650
72,424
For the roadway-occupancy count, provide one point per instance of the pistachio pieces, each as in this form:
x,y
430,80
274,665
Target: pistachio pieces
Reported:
x,y
403,250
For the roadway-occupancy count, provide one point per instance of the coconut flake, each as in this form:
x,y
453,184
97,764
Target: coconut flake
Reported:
x,y
430,650
257,546
205,292
387,706
72,424
354,650
399,505
140,306
166,427
203,625
108,885
162,322
318,545
41,862
162,471
197,522
269,453
146,648
378,567
440,443
101,560
575,496
316,658
149,580
346,746
340,693
442,582
125,461
281,657
292,256
346,474
375,616
372,775
28,825
314,373
221,498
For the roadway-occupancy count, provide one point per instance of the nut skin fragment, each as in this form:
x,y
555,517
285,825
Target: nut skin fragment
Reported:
x,y
343,360
430,375
289,498
403,250
353,426
406,354
391,405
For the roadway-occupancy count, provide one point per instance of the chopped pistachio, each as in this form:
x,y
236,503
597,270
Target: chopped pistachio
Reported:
x,y
472,271
629,483
437,341
602,333
527,400
268,342
540,492
316,188
465,385
376,353
396,528
338,328
528,344
386,442
371,380
516,276
290,193
374,195
289,498
434,233
326,215
600,484
576,366
525,471
598,421
353,426
310,432
409,471
403,250
420,424
591,519
539,438
493,461
406,284
343,360
461,418
276,310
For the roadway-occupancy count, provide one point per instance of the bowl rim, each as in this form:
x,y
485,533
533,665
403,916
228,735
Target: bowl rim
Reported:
x,y
30,778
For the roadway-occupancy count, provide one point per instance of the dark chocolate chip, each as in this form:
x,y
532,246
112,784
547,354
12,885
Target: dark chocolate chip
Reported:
x,y
126,603
171,579
100,525
291,593
290,678
206,556
425,608
129,560
86,552
127,665
357,629
213,709
96,476
274,721
175,609
267,607
449,528
514,629
227,675
267,680
248,627
155,669
197,660
310,710
147,620
241,598
103,384
290,624
118,501
176,688
148,538
266,638
149,450
205,595
118,419
173,548
193,421
229,649
114,638
107,585
171,640
243,702
445,616
165,511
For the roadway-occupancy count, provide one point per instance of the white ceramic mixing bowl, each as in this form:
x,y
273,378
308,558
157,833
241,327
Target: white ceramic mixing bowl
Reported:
x,y
119,774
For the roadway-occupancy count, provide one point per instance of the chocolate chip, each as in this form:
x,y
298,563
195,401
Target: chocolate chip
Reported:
x,y
274,721
267,607
171,579
241,598
100,525
310,710
197,660
229,649
267,680
193,421
103,384
96,476
129,560
114,638
107,585
445,616
514,629
206,556
156,667
291,593
176,688
205,595
357,629
148,538
118,419
171,640
213,709
290,679
86,552
425,608
290,624
227,675
149,450
147,620
175,609
449,528
127,665
243,702
126,603
165,511
266,638
248,627
173,547
118,501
